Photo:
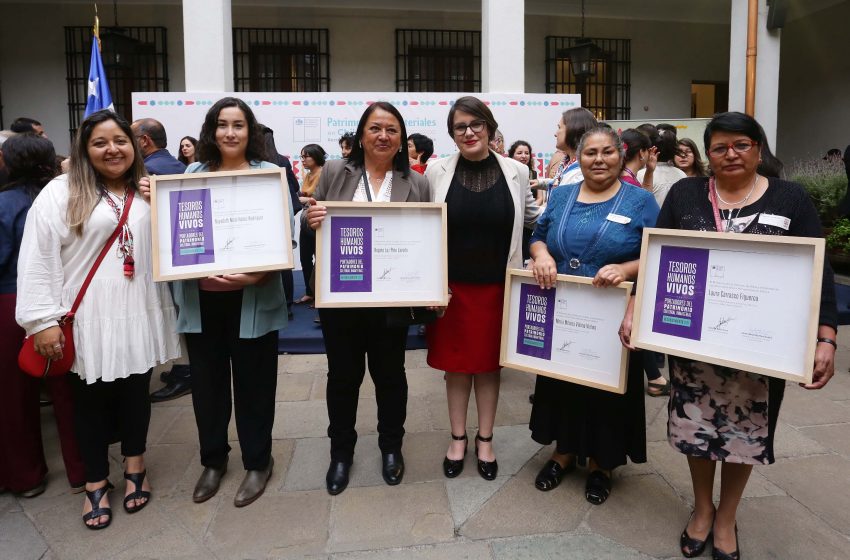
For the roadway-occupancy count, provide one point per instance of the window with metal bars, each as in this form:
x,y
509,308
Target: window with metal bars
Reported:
x,y
607,91
134,58
288,60
434,60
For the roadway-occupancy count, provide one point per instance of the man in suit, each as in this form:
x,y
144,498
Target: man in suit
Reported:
x,y
150,134
152,141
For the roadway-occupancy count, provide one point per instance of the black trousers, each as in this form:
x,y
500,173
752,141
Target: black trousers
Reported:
x,y
307,249
106,410
353,336
214,352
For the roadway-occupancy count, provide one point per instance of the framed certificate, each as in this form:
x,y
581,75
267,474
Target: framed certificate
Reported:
x,y
748,302
568,333
206,224
382,254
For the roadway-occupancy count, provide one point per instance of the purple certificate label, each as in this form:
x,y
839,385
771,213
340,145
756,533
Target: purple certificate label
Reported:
x,y
680,298
351,254
536,320
191,227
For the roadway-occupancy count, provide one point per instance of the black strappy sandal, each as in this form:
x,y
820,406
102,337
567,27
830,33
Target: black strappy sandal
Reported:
x,y
453,467
94,497
487,469
138,494
598,487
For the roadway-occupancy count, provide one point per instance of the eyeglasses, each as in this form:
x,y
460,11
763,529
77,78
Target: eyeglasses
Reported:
x,y
476,126
739,147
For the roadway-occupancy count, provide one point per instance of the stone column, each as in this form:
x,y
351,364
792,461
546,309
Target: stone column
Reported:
x,y
503,46
208,45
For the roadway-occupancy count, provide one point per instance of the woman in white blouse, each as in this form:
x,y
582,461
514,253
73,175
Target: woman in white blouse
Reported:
x,y
125,324
379,155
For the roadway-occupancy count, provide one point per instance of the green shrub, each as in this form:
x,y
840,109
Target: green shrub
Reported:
x,y
826,183
839,238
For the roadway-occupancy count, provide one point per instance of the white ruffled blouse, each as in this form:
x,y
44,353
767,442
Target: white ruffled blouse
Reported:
x,y
123,326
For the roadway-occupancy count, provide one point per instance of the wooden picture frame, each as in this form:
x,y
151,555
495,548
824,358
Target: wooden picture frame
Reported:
x,y
568,333
750,302
407,240
225,222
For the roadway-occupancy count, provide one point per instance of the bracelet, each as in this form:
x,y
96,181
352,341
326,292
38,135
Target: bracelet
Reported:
x,y
828,341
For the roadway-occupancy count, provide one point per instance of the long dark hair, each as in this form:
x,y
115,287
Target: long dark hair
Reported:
x,y
633,142
698,165
181,158
83,179
400,160
30,161
207,150
741,123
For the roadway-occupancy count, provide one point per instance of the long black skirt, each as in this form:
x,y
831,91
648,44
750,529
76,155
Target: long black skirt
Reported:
x,y
592,423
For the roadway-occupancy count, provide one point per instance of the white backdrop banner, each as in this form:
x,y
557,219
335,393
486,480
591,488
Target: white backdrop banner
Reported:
x,y
321,118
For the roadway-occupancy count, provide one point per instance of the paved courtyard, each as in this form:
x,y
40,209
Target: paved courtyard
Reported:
x,y
797,508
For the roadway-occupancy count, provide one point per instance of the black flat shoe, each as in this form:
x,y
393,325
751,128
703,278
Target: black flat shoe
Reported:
x,y
717,554
598,487
138,494
337,477
551,474
487,469
392,467
94,497
690,546
453,467
174,390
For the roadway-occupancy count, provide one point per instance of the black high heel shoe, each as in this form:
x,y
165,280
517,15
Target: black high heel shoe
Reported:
x,y
717,554
487,469
453,467
691,547
94,498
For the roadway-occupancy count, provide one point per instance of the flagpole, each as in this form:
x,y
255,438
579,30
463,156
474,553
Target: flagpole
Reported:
x,y
96,29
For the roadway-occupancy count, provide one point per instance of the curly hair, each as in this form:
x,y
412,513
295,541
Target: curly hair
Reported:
x,y
207,149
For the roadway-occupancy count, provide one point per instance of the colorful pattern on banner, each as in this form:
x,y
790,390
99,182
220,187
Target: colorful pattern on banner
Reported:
x,y
322,117
536,321
351,254
680,298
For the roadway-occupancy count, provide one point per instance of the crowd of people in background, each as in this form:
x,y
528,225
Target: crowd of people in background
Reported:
x,y
505,209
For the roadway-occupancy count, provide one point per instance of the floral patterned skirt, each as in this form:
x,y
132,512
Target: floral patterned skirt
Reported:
x,y
723,414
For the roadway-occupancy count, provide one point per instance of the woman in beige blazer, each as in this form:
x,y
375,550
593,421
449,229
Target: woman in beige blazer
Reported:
x,y
354,335
489,202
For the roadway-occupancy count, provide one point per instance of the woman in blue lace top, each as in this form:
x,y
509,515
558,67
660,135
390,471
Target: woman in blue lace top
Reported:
x,y
592,229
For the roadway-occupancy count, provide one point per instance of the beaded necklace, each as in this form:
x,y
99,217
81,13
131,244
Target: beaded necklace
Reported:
x,y
125,236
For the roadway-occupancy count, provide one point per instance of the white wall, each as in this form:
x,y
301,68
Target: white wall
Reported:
x,y
666,57
32,56
814,85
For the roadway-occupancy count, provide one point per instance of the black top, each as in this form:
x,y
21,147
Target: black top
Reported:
x,y
687,206
480,222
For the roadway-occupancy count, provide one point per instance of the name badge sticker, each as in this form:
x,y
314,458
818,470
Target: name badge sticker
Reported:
x,y
618,218
775,220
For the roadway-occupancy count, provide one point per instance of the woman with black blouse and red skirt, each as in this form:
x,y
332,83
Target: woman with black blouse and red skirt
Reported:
x,y
489,202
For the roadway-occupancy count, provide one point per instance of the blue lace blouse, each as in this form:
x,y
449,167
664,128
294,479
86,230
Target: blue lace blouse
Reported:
x,y
569,228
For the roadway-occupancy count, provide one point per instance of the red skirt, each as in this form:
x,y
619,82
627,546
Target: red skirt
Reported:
x,y
467,338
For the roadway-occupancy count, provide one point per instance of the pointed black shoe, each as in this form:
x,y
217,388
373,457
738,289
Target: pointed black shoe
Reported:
x,y
392,467
337,477
453,467
487,469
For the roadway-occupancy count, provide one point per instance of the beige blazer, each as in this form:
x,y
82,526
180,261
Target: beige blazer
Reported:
x,y
526,210
339,180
